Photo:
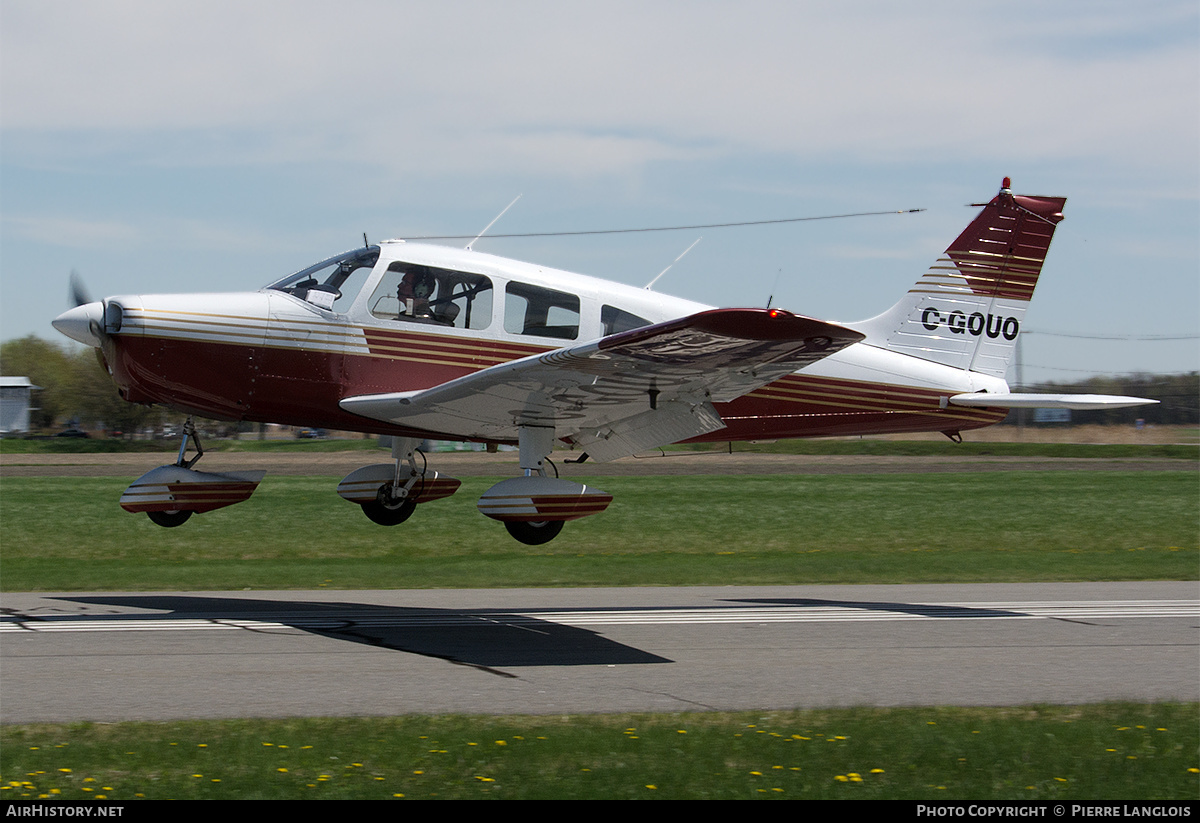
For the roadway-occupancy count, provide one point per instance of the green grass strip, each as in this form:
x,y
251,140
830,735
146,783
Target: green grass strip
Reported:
x,y
1093,752
295,533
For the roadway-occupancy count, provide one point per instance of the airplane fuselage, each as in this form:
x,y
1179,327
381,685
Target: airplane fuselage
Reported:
x,y
291,352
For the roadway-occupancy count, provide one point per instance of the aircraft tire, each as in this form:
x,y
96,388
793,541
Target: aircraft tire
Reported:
x,y
384,516
534,534
169,520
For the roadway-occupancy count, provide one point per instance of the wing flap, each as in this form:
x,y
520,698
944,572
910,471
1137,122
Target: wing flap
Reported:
x,y
623,393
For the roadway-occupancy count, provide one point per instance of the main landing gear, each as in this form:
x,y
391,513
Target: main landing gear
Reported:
x,y
389,492
532,508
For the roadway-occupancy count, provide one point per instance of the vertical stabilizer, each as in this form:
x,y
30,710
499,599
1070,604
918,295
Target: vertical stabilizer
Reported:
x,y
967,310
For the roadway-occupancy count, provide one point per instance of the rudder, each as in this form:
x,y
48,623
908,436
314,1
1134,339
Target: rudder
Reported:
x,y
966,311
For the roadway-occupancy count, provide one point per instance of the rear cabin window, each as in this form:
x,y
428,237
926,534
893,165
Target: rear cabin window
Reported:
x,y
615,320
438,297
540,312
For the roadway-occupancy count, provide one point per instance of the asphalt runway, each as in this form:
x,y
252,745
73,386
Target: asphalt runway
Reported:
x,y
163,656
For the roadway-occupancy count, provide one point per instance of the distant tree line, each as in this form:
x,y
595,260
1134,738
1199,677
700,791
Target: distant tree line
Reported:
x,y
76,387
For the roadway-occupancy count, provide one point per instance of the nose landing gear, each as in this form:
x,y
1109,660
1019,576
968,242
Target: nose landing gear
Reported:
x,y
170,495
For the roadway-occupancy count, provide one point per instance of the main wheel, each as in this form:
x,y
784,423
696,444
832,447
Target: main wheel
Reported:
x,y
169,520
534,533
388,512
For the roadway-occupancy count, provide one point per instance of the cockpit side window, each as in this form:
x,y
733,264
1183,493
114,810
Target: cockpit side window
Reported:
x,y
540,312
615,320
332,284
440,297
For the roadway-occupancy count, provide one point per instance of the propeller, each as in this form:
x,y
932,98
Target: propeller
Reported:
x,y
79,292
84,321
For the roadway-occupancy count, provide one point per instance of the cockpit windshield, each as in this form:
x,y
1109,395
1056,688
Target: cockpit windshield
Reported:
x,y
334,283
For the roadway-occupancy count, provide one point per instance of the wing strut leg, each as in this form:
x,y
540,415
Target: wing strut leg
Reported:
x,y
535,444
404,452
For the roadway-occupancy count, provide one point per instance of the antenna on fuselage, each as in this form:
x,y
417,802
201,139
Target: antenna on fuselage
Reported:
x,y
489,225
673,262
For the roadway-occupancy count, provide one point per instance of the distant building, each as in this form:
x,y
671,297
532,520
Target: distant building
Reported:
x,y
15,404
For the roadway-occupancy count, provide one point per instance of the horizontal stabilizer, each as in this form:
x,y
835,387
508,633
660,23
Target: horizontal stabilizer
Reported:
x,y
1049,401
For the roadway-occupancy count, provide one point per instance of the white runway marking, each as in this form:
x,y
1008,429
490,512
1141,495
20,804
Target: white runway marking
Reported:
x,y
420,618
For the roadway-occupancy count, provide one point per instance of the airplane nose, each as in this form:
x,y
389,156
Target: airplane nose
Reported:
x,y
83,323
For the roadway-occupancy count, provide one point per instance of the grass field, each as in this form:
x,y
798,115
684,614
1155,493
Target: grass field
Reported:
x,y
1100,752
63,534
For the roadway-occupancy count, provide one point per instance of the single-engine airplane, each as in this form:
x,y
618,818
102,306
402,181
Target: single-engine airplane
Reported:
x,y
421,341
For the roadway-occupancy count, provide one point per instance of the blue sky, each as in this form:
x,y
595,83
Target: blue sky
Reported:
x,y
210,146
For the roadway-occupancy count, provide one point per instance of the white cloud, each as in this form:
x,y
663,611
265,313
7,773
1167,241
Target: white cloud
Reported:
x,y
604,88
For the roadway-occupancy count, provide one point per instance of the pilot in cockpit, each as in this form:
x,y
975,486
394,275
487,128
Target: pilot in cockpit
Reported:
x,y
413,292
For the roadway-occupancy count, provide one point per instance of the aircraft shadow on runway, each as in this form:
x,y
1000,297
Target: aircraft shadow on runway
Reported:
x,y
916,609
488,638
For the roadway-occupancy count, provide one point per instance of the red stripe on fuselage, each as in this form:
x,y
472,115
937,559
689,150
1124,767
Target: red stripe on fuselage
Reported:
x,y
302,387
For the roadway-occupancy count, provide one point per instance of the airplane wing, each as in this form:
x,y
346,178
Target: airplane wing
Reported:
x,y
625,393
1049,401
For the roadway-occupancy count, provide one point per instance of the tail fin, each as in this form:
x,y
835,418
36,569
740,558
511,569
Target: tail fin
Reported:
x,y
966,311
